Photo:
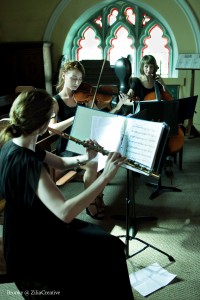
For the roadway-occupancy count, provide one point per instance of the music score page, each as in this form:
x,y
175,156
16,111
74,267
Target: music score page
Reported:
x,y
136,139
141,140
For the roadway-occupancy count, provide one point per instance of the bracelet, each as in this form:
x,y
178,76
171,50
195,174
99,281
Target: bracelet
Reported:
x,y
78,162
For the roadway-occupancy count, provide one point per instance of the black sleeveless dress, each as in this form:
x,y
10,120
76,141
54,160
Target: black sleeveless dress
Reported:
x,y
79,258
65,112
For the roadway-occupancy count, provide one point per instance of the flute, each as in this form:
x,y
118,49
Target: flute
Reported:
x,y
101,150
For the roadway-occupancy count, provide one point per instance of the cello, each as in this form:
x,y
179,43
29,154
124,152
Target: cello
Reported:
x,y
175,142
123,71
174,145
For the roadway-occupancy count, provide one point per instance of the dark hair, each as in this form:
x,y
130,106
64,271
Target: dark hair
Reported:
x,y
149,60
68,66
29,111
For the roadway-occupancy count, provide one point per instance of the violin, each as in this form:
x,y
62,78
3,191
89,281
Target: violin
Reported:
x,y
175,142
103,97
106,96
84,93
100,96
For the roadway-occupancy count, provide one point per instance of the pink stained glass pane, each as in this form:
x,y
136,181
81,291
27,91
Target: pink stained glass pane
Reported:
x,y
130,15
156,45
121,45
89,46
112,17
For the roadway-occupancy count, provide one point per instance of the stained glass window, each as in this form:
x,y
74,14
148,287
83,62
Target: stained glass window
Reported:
x,y
122,29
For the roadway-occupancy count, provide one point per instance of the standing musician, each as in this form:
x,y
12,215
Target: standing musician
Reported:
x,y
144,88
70,78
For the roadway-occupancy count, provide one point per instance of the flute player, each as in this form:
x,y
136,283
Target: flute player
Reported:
x,y
44,243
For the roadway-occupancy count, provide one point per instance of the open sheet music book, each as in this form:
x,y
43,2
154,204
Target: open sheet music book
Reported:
x,y
139,140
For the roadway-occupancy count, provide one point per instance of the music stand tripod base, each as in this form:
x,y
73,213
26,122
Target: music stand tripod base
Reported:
x,y
145,247
131,220
161,188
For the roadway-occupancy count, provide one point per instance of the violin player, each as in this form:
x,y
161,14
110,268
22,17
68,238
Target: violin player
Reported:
x,y
71,75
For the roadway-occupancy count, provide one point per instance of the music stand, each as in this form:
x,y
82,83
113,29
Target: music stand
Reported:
x,y
186,112
131,221
186,108
162,111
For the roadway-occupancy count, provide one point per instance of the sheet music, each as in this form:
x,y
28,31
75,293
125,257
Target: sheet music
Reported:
x,y
108,132
136,139
141,141
81,127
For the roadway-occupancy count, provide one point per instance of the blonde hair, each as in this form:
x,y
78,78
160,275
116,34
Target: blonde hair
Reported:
x,y
68,66
29,111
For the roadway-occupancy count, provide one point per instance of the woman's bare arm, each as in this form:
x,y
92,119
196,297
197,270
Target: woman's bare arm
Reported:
x,y
67,210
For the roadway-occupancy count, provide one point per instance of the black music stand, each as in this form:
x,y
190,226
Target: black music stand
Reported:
x,y
162,111
186,111
186,108
132,220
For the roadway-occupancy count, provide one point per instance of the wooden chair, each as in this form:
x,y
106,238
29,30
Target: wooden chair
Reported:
x,y
21,88
48,142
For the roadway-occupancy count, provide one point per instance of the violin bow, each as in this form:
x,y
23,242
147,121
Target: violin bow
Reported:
x,y
95,93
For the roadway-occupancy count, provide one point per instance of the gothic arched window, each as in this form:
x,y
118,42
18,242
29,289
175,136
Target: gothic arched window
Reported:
x,y
123,29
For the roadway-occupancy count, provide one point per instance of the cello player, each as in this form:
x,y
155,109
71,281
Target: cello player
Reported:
x,y
143,88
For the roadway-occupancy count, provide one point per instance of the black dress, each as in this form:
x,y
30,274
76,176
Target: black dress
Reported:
x,y
139,90
79,259
65,112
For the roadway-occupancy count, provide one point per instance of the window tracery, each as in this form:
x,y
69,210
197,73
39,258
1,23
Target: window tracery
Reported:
x,y
124,29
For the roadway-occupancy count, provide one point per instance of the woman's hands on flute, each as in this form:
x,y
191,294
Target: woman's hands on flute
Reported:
x,y
92,148
114,161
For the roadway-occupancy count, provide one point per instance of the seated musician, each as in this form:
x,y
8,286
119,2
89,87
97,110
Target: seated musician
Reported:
x,y
45,244
144,88
70,78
